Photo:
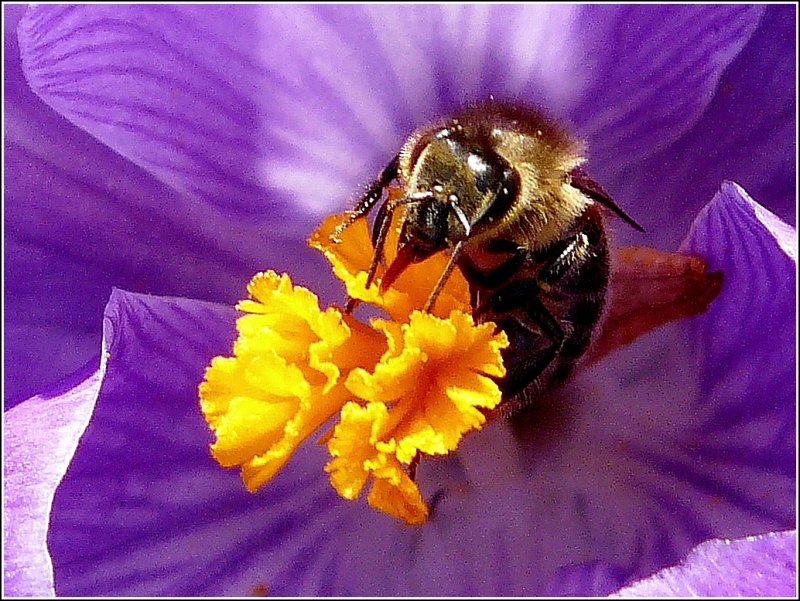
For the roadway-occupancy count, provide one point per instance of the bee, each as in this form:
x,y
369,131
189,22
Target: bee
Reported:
x,y
501,188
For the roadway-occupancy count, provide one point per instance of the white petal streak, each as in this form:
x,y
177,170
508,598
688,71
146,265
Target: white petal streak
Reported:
x,y
330,121
33,466
466,27
546,52
397,35
290,177
328,63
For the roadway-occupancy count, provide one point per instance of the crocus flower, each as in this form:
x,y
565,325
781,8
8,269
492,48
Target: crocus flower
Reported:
x,y
175,151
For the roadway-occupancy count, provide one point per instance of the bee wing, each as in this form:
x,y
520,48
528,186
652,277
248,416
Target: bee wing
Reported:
x,y
582,181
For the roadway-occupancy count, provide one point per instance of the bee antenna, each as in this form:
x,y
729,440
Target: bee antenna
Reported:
x,y
451,264
462,217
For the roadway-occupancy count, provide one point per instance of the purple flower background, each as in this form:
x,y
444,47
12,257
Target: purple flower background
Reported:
x,y
173,151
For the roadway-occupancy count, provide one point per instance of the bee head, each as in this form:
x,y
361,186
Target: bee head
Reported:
x,y
457,183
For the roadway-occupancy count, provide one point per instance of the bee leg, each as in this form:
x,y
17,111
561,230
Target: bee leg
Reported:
x,y
379,239
530,326
518,309
565,254
412,467
500,274
371,196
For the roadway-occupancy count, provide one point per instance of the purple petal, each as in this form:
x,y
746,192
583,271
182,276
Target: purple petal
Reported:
x,y
747,134
144,509
654,71
620,484
171,88
759,566
273,120
40,439
750,331
615,481
250,108
80,219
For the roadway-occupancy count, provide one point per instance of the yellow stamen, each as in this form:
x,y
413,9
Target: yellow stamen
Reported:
x,y
403,387
413,383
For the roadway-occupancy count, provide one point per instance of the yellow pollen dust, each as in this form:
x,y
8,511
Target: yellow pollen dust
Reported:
x,y
403,387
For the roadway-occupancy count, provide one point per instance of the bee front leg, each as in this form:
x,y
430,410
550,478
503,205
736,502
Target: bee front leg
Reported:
x,y
371,196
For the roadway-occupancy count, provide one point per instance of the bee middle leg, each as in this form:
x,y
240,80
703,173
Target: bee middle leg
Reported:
x,y
515,302
536,337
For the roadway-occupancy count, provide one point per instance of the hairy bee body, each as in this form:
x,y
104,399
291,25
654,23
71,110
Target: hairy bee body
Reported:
x,y
548,301
501,188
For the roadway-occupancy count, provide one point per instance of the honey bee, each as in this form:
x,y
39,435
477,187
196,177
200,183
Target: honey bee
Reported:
x,y
501,188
